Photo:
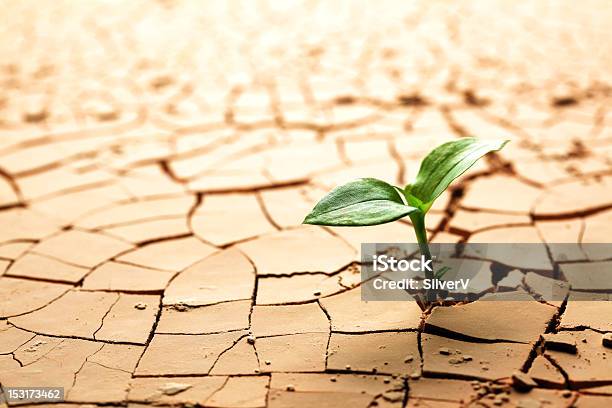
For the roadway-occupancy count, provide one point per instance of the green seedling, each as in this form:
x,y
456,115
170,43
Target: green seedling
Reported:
x,y
370,201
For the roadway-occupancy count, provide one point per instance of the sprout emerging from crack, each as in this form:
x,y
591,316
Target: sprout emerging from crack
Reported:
x,y
370,201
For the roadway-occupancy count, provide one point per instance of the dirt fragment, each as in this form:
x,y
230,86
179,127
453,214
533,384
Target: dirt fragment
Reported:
x,y
444,351
560,342
563,101
411,100
606,340
174,388
179,307
345,100
522,381
35,110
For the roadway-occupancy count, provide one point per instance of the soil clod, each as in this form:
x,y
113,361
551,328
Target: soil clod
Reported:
x,y
560,342
522,382
606,340
174,388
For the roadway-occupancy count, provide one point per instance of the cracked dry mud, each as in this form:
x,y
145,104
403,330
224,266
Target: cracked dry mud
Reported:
x,y
157,159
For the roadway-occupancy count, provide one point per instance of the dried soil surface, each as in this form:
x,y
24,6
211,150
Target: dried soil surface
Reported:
x,y
157,159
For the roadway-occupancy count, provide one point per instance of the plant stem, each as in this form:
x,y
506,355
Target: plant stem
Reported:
x,y
418,223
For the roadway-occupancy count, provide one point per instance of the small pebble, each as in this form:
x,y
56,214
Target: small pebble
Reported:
x,y
444,351
35,112
107,114
290,388
140,306
268,362
251,339
566,394
467,357
455,360
317,293
606,340
408,358
161,81
386,381
173,388
333,379
180,307
498,388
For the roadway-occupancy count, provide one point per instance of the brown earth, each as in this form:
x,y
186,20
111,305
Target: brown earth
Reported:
x,y
157,159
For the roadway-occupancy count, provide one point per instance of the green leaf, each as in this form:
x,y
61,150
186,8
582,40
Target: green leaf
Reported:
x,y
362,202
443,165
442,271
